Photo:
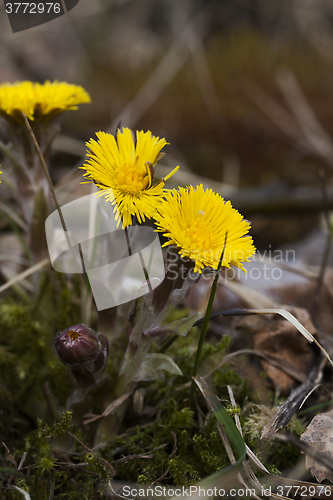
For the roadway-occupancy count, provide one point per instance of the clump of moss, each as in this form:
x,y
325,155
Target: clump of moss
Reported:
x,y
275,454
256,416
240,385
27,357
171,446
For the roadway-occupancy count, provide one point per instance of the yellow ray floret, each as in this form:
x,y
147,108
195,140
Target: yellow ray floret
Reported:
x,y
49,97
124,171
196,221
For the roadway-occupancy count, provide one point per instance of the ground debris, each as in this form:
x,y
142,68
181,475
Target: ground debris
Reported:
x,y
281,339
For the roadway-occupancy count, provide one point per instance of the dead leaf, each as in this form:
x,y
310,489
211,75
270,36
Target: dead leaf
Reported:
x,y
319,434
280,338
303,295
9,456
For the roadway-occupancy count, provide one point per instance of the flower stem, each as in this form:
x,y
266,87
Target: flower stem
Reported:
x,y
43,164
141,259
61,217
206,321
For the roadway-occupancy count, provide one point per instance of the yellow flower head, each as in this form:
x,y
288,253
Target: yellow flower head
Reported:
x,y
31,98
124,171
196,221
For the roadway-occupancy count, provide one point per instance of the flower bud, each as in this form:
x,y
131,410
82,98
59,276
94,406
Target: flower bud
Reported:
x,y
79,346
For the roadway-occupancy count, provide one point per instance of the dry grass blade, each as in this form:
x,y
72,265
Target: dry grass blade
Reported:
x,y
306,273
227,425
282,119
252,477
28,272
69,145
174,451
12,215
113,406
24,285
318,140
15,258
248,471
284,313
288,483
167,69
103,461
24,493
251,297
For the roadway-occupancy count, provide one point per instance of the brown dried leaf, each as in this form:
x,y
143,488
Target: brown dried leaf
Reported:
x,y
9,456
280,338
319,434
305,294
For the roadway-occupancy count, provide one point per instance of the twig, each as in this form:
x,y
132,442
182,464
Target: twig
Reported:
x,y
102,460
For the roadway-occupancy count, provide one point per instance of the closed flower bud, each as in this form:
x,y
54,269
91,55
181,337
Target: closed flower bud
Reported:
x,y
79,346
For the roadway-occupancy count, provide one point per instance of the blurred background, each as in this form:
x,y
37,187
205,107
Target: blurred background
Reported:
x,y
242,90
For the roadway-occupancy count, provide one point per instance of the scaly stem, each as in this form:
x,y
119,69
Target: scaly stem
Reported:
x,y
206,321
43,164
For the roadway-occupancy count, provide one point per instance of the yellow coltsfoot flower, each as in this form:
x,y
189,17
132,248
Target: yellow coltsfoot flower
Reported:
x,y
196,221
36,99
124,171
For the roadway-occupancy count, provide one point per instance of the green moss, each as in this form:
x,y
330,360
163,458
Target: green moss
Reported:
x,y
240,385
186,456
274,454
40,438
96,466
27,356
